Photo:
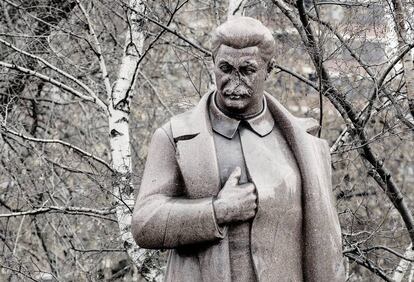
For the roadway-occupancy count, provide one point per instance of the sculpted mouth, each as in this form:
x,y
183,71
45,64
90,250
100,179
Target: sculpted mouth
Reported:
x,y
235,96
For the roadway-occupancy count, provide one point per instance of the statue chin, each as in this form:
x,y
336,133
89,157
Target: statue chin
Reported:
x,y
233,107
238,105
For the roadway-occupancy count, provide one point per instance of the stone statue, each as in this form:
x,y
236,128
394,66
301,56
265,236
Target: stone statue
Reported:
x,y
237,187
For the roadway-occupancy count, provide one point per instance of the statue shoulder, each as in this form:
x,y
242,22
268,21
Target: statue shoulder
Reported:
x,y
179,126
188,124
172,126
310,125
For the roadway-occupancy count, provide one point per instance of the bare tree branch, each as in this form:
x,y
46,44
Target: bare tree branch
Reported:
x,y
298,76
57,209
174,32
392,64
50,80
148,81
97,50
368,265
100,103
379,172
56,141
235,7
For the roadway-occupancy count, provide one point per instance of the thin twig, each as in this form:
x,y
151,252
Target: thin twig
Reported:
x,y
60,71
367,264
98,50
48,79
195,45
156,93
298,76
57,141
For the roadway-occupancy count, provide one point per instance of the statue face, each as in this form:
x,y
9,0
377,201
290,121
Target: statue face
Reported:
x,y
240,76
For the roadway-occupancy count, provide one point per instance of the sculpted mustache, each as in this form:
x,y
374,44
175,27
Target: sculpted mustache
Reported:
x,y
239,92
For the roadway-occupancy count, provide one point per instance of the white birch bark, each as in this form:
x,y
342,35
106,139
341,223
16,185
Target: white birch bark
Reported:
x,y
119,115
398,34
391,38
404,266
405,33
410,278
119,110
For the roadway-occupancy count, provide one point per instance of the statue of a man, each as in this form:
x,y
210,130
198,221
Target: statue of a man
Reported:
x,y
237,187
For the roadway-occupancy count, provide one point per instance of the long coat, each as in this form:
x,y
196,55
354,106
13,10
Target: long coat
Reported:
x,y
174,205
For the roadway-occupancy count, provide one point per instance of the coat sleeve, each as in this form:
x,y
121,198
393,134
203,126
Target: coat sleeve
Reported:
x,y
163,217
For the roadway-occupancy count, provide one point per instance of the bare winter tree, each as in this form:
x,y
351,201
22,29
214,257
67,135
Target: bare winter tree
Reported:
x,y
84,84
383,97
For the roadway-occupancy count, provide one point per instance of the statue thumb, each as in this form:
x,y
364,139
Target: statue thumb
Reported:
x,y
234,176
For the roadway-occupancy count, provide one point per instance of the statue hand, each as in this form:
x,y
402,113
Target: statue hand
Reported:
x,y
235,202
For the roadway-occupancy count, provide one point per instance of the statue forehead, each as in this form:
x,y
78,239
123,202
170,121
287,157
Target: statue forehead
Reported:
x,y
231,54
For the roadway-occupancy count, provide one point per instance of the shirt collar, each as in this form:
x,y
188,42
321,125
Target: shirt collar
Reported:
x,y
262,124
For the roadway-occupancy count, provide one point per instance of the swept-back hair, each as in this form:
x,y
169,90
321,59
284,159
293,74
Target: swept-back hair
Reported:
x,y
241,32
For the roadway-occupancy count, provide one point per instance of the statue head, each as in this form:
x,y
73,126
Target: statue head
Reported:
x,y
243,51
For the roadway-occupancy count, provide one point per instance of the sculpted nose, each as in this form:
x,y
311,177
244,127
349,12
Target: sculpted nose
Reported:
x,y
234,80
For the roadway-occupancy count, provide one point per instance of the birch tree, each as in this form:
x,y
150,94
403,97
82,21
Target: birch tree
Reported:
x,y
84,84
120,96
404,34
115,108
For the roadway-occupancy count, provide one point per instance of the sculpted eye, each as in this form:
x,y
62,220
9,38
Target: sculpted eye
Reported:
x,y
226,68
247,70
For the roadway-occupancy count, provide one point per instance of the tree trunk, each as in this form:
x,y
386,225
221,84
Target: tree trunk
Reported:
x,y
401,31
119,115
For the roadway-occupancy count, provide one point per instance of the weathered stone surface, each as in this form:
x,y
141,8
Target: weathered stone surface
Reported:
x,y
237,187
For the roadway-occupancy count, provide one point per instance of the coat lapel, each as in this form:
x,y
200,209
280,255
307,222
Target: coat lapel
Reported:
x,y
322,237
196,154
